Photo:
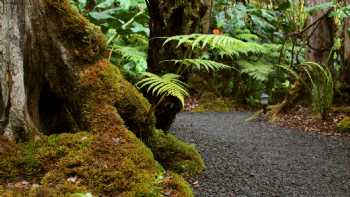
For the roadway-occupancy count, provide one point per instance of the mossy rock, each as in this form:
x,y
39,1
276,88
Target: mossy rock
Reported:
x,y
175,154
344,124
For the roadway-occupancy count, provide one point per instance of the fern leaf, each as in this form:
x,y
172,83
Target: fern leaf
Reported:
x,y
166,85
257,70
226,44
200,64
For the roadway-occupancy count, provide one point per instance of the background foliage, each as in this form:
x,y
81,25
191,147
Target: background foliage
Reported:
x,y
260,44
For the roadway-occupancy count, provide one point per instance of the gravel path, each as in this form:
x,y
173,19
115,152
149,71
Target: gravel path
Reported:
x,y
258,159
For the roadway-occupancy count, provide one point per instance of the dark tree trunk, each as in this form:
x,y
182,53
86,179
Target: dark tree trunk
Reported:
x,y
320,35
169,18
345,73
53,74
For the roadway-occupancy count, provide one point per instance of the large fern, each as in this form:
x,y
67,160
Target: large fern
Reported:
x,y
225,44
166,85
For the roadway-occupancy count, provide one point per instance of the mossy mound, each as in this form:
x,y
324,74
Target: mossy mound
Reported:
x,y
175,154
110,87
209,102
174,185
344,124
130,103
103,165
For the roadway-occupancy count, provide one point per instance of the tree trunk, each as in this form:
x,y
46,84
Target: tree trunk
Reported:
x,y
320,35
50,58
55,77
345,76
169,18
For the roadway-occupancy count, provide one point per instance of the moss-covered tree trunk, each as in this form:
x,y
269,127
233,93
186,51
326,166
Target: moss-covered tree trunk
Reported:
x,y
320,35
47,54
169,18
55,78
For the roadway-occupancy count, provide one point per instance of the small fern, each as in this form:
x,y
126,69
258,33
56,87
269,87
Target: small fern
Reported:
x,y
166,85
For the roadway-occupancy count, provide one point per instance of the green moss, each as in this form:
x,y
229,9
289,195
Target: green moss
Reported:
x,y
175,154
211,102
9,162
111,165
108,159
130,103
176,185
344,124
110,87
102,164
75,31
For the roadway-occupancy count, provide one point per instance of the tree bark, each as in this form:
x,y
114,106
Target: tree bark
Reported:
x,y
169,18
320,35
55,76
346,67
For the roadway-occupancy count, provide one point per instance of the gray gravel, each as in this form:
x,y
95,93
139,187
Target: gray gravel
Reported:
x,y
258,159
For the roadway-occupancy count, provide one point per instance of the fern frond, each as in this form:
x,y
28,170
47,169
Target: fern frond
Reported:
x,y
200,64
321,84
131,53
257,70
247,36
166,85
225,44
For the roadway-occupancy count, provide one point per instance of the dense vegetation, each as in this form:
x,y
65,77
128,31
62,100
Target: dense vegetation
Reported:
x,y
117,53
255,47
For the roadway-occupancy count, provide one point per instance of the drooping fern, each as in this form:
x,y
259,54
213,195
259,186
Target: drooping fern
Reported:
x,y
321,84
163,86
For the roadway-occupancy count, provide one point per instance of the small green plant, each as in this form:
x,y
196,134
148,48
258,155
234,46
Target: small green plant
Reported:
x,y
166,85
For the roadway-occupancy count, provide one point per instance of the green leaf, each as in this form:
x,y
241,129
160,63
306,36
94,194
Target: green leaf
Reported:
x,y
166,85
